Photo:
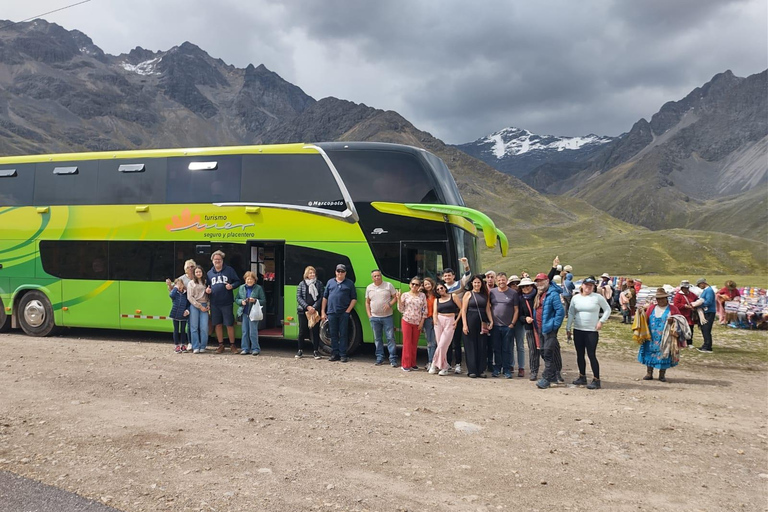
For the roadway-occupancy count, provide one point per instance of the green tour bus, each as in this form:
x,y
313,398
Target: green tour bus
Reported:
x,y
88,239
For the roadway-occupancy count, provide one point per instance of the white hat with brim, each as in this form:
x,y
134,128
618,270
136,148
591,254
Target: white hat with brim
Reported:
x,y
605,275
527,282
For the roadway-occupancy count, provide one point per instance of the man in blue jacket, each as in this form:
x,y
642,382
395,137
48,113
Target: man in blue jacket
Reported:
x,y
339,299
222,280
708,305
551,315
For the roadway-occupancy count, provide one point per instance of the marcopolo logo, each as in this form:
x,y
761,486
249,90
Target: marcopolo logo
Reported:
x,y
213,226
325,203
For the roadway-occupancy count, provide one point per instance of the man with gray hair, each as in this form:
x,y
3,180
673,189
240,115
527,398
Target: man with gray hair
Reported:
x,y
222,279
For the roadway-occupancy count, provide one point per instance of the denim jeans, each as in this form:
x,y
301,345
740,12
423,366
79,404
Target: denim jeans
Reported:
x,y
384,325
501,341
429,333
198,327
706,331
338,323
519,340
250,340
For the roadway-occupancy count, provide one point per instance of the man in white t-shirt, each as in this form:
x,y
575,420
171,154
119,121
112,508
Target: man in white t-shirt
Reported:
x,y
379,299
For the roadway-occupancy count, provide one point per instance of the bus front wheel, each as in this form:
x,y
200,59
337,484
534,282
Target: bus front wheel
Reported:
x,y
354,335
35,314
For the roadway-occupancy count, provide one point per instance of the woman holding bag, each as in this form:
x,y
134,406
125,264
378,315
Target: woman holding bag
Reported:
x,y
309,299
478,322
247,295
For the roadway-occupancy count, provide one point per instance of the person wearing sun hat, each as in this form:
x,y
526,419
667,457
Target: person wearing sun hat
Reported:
x,y
518,338
707,302
650,353
683,300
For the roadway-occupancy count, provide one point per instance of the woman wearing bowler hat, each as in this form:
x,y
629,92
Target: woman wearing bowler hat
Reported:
x,y
650,351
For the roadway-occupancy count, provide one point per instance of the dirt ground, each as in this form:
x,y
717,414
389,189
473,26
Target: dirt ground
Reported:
x,y
122,419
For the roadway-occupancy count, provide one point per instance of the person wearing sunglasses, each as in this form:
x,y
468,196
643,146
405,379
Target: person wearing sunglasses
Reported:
x,y
339,299
445,318
413,306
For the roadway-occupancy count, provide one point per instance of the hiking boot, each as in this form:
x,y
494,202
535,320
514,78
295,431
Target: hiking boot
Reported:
x,y
534,376
234,349
542,383
220,349
663,375
581,381
521,373
649,374
595,384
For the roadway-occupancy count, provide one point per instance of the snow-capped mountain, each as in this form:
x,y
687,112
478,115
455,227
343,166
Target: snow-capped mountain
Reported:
x,y
517,151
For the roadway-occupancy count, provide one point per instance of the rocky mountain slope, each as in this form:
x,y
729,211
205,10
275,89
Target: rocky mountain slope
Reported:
x,y
677,169
517,151
59,92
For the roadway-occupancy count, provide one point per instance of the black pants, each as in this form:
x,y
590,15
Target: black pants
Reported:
x,y
534,354
586,340
690,340
180,332
476,346
306,333
706,331
454,352
550,352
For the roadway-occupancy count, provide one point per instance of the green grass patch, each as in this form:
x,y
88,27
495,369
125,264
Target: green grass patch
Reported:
x,y
739,349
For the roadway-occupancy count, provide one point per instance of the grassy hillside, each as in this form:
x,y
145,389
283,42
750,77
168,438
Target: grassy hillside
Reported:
x,y
744,215
594,242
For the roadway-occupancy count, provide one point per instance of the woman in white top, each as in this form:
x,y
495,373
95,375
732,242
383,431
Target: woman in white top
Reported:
x,y
584,317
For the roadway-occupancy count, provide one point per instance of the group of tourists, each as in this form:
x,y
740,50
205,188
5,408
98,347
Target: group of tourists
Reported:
x,y
495,317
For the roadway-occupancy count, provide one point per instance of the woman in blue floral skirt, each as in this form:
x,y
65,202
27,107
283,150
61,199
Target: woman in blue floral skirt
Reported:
x,y
651,351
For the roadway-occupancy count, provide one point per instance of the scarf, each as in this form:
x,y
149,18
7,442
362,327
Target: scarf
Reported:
x,y
527,297
312,287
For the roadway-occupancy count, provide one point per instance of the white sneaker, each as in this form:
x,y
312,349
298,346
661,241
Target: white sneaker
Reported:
x,y
196,351
443,372
433,369
457,369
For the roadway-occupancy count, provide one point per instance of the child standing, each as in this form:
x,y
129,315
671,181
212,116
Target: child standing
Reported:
x,y
247,295
179,314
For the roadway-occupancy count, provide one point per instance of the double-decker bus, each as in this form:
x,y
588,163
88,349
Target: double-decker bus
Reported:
x,y
88,239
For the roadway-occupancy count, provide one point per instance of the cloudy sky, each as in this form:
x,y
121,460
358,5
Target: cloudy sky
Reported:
x,y
457,69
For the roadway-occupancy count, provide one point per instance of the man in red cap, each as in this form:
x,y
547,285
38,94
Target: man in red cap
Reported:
x,y
550,314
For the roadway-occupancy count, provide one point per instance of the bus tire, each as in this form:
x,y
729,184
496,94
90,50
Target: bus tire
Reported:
x,y
5,318
354,335
35,314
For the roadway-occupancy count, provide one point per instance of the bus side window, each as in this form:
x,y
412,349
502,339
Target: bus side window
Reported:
x,y
298,258
132,187
16,184
57,183
197,180
75,259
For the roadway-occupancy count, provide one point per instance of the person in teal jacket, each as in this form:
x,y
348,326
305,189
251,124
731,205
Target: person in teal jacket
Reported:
x,y
247,295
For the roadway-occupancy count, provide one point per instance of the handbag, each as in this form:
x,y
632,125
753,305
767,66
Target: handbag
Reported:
x,y
485,327
256,313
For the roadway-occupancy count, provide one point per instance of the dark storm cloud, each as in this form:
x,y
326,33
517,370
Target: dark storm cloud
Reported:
x,y
461,69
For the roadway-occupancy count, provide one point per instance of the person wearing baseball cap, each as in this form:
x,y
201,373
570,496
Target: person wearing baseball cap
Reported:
x,y
707,302
683,300
585,322
339,299
651,353
551,313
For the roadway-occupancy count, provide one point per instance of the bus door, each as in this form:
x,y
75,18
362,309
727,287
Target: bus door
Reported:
x,y
267,261
423,259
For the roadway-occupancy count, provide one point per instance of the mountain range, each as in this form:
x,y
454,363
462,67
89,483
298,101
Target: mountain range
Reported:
x,y
517,151
701,162
59,92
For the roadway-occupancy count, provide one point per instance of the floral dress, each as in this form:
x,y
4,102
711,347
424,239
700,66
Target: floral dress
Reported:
x,y
650,351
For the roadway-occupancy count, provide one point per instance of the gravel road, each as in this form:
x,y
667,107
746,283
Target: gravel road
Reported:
x,y
121,419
